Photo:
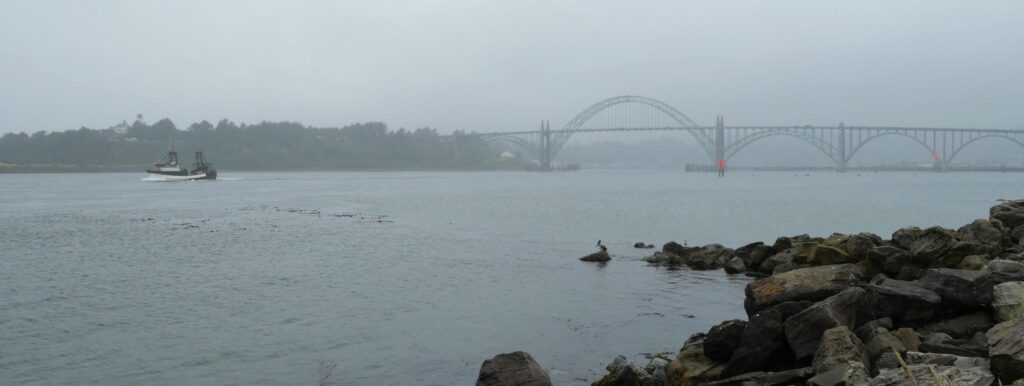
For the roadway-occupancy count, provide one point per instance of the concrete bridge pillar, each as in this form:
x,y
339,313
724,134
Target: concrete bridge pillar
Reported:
x,y
545,146
720,145
842,148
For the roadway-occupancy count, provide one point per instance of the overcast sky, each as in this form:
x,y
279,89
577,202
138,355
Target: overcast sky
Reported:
x,y
504,65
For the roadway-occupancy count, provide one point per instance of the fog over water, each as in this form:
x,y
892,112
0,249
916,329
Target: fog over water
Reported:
x,y
492,66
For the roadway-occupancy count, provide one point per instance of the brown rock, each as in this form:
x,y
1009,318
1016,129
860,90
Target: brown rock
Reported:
x,y
815,283
512,369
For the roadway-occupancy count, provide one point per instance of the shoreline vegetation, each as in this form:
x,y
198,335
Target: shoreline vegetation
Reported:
x,y
261,146
932,306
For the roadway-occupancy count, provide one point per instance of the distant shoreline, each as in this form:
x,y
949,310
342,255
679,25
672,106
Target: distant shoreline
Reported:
x,y
84,169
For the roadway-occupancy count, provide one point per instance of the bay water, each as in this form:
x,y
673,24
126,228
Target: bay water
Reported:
x,y
400,278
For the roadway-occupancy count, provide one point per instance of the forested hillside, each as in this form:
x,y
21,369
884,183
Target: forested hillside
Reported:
x,y
263,146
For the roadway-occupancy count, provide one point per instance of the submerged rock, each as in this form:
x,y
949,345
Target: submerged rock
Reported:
x,y
512,369
599,257
642,245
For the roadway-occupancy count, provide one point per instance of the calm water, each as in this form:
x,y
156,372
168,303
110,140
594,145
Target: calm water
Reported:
x,y
398,278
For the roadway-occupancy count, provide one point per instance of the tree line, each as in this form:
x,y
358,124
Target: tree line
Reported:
x,y
262,146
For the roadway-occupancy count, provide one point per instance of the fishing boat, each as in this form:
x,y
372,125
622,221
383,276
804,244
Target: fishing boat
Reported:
x,y
168,169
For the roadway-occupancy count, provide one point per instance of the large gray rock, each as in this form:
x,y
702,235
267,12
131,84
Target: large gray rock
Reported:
x,y
797,254
625,374
760,378
691,366
804,330
933,243
678,249
963,326
735,265
664,258
889,258
826,255
858,245
1006,349
865,331
1005,266
915,358
512,369
1010,213
753,254
909,338
845,374
983,231
974,263
711,256
812,284
723,339
960,250
940,343
763,344
960,288
905,237
1008,300
838,346
882,341
903,300
922,373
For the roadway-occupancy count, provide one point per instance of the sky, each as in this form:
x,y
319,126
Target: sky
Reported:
x,y
489,66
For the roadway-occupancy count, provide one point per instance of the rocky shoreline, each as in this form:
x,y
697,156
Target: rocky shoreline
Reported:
x,y
931,306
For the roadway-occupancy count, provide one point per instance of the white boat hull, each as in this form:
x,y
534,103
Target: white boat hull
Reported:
x,y
167,177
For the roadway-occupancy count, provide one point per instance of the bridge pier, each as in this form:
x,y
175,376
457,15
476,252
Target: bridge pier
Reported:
x,y
720,145
841,167
545,146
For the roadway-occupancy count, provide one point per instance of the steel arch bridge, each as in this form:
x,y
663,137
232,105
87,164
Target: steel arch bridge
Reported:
x,y
839,143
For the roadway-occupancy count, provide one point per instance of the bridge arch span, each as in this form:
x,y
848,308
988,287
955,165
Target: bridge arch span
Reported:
x,y
745,141
562,136
973,140
858,146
